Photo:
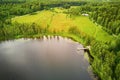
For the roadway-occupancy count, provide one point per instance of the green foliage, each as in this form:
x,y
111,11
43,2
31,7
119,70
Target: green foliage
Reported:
x,y
103,61
117,72
106,63
87,39
74,30
74,11
66,6
107,15
115,45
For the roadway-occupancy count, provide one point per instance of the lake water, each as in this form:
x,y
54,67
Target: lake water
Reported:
x,y
49,58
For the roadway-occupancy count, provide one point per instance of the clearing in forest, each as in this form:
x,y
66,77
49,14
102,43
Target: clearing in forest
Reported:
x,y
56,20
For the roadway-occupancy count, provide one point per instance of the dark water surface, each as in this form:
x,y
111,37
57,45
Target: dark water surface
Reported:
x,y
50,58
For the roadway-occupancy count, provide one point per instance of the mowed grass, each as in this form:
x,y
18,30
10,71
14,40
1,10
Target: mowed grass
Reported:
x,y
87,26
60,22
42,18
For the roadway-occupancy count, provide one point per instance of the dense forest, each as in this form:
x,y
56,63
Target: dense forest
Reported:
x,y
107,63
106,55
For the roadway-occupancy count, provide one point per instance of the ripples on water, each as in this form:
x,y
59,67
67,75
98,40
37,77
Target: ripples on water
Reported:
x,y
49,58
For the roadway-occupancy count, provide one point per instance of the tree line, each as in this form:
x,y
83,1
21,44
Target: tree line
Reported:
x,y
11,8
108,15
106,62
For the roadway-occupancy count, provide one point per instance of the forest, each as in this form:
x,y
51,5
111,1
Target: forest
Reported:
x,y
106,15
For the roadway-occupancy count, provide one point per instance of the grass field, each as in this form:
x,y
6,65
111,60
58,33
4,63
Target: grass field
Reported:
x,y
41,18
90,28
59,22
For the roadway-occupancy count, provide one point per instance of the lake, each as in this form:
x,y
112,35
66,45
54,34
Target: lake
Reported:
x,y
48,58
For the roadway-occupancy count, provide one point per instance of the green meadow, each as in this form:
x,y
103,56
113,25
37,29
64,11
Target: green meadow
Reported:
x,y
57,21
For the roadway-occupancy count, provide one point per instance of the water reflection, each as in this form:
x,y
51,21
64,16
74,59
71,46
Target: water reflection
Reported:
x,y
49,58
